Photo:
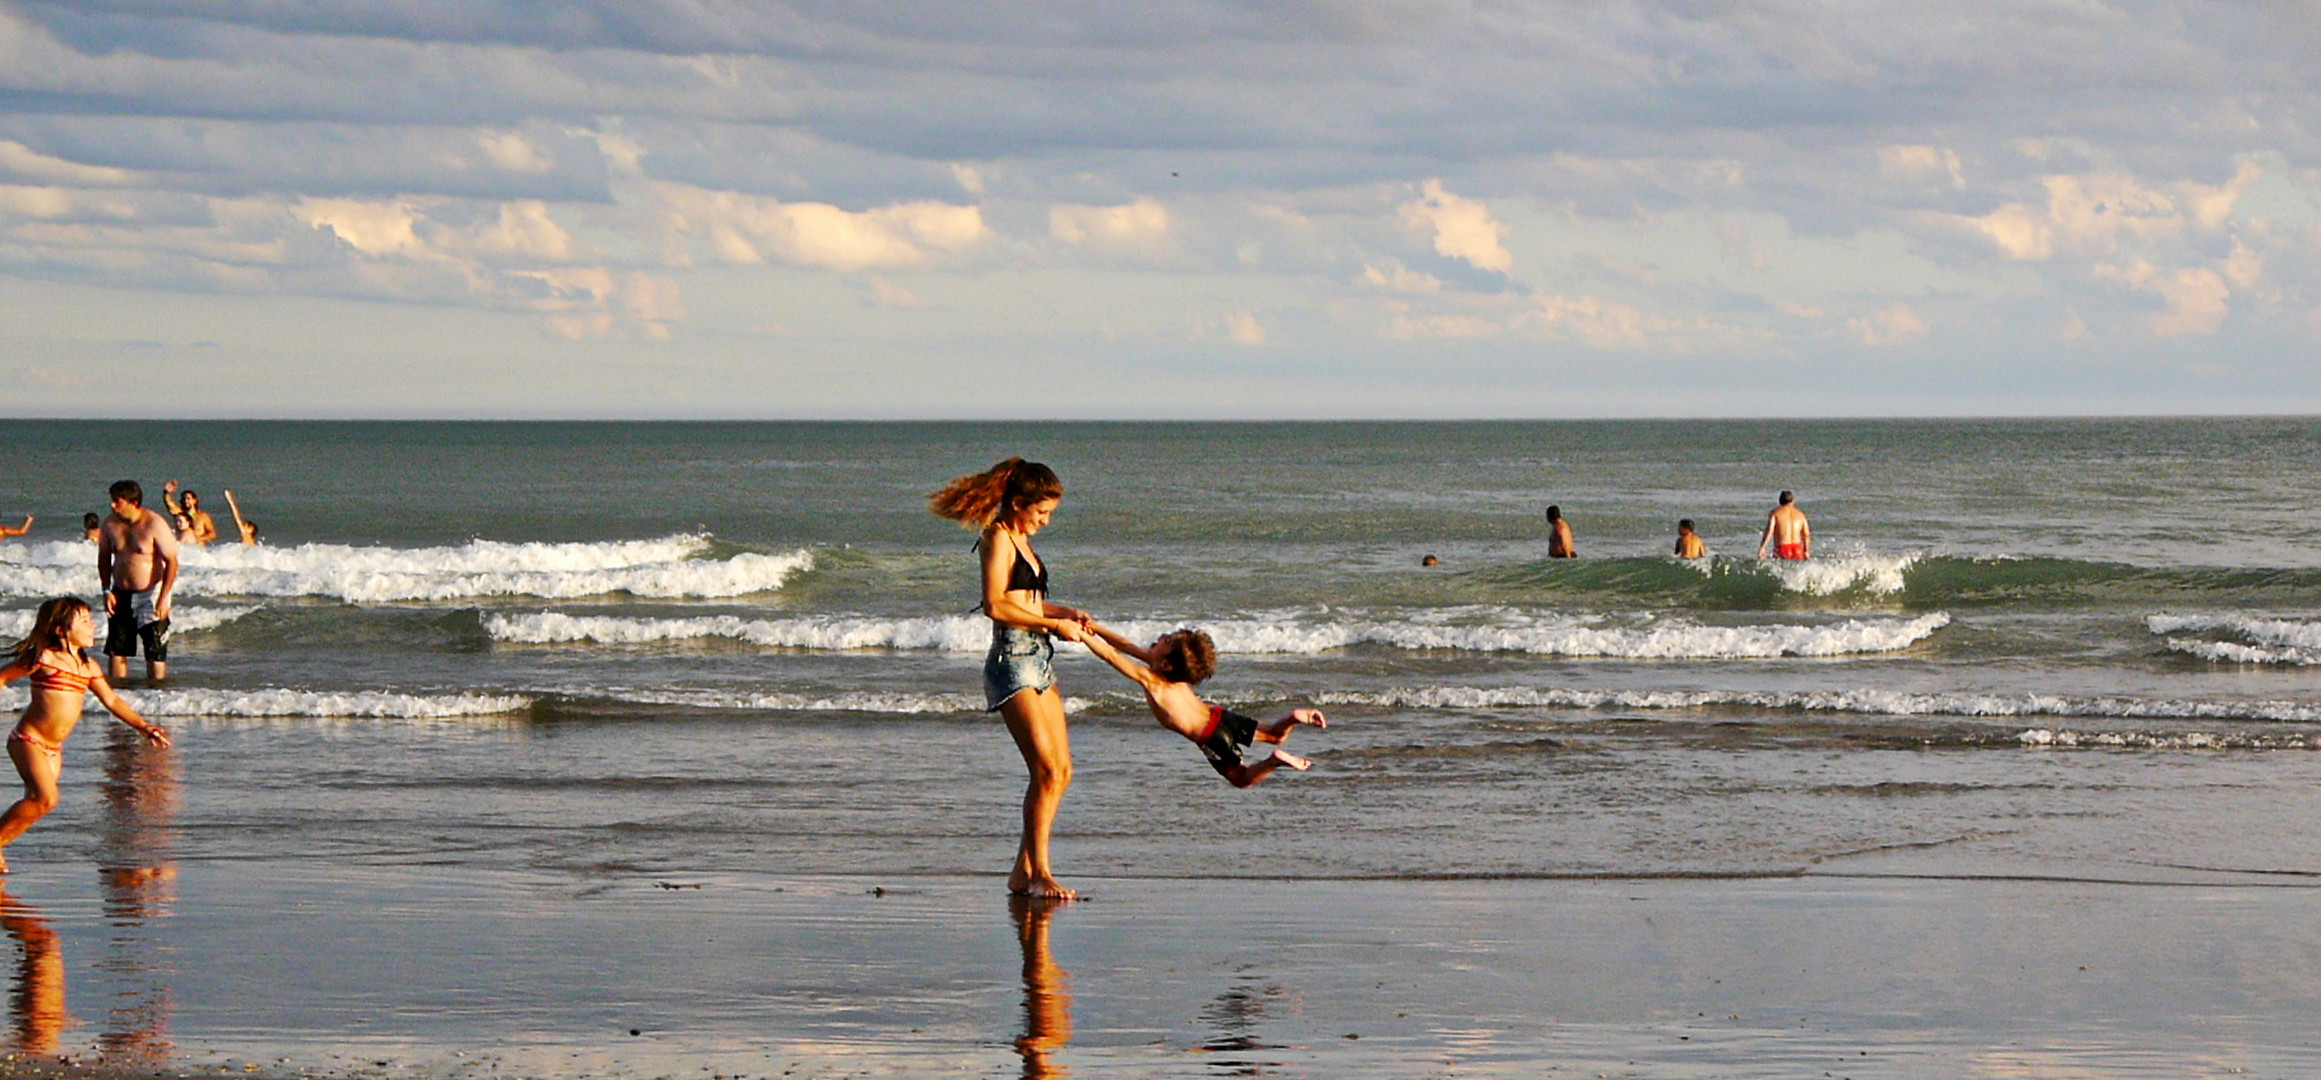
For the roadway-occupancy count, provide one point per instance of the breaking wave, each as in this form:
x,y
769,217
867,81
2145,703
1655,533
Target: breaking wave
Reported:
x,y
1870,702
380,704
2263,640
1284,635
673,567
182,620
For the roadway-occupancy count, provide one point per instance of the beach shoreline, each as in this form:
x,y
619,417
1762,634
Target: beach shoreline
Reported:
x,y
316,969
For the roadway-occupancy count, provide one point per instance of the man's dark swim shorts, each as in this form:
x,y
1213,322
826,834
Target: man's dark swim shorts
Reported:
x,y
1229,734
122,634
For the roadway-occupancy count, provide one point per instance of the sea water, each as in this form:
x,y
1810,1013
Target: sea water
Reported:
x,y
2080,650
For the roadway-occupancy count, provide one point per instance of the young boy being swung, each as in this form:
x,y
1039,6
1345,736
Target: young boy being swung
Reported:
x,y
1168,669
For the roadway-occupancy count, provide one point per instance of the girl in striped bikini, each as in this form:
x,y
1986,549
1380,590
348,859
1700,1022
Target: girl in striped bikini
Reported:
x,y
51,656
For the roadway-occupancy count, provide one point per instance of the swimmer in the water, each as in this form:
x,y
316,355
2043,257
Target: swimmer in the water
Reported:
x,y
1168,669
1559,536
1786,531
6,532
53,656
1688,542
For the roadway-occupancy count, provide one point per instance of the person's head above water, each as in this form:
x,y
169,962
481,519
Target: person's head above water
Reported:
x,y
1788,497
191,497
91,521
1004,490
1555,513
1187,656
126,491
1684,525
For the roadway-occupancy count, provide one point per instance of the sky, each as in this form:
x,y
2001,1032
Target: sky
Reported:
x,y
1262,209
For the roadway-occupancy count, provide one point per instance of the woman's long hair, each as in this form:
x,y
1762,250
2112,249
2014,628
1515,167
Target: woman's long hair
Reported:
x,y
978,500
48,627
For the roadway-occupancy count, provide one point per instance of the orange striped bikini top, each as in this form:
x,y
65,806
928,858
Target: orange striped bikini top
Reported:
x,y
47,676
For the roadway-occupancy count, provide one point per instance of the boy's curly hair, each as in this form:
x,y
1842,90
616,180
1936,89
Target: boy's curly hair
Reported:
x,y
1189,657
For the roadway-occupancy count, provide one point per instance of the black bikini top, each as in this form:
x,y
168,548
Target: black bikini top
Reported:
x,y
1024,576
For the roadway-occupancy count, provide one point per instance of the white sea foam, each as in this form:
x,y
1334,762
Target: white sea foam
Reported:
x,y
667,568
839,701
1830,573
1286,634
1871,702
2148,740
276,702
2266,640
182,620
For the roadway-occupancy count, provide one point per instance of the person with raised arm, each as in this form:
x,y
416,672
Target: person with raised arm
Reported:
x,y
1007,504
137,566
53,657
248,528
200,528
6,532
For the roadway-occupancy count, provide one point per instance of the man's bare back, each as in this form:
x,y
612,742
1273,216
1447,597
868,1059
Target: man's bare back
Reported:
x,y
1786,531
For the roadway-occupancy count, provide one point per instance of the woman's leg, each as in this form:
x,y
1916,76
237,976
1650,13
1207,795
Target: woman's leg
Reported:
x,y
39,767
1036,720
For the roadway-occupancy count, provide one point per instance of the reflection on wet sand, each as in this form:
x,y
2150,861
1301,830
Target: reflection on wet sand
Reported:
x,y
1047,990
136,861
36,1001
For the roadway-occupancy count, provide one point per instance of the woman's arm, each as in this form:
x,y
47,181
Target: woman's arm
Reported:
x,y
152,732
999,556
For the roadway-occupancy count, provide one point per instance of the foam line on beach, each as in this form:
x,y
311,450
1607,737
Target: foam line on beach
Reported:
x,y
1870,702
897,702
672,567
376,704
1553,636
182,620
2263,640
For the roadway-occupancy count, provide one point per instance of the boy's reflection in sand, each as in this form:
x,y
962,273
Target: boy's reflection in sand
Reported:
x,y
1047,990
135,858
37,998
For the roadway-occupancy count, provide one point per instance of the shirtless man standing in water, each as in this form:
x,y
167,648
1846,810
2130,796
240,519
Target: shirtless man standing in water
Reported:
x,y
137,567
1786,531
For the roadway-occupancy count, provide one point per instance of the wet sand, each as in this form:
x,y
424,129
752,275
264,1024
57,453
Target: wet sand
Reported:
x,y
318,968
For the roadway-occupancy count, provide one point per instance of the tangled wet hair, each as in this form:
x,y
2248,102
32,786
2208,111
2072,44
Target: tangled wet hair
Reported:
x,y
977,500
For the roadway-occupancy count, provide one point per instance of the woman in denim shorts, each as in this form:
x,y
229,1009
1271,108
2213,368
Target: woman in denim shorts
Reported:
x,y
1009,502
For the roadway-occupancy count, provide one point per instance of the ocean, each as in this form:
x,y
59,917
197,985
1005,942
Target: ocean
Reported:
x,y
2079,651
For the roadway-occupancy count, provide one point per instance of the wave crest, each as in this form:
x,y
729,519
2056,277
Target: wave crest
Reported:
x,y
373,704
673,567
1286,635
2263,640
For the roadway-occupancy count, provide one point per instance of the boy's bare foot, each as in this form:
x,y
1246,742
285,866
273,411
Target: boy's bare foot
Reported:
x,y
1292,760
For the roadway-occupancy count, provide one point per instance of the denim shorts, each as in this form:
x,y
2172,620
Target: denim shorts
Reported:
x,y
1018,661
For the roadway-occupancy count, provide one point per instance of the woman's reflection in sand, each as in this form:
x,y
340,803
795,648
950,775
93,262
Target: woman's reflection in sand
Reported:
x,y
37,999
136,857
1047,990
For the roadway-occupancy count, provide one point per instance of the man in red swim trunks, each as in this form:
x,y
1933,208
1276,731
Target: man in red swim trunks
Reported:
x,y
1786,531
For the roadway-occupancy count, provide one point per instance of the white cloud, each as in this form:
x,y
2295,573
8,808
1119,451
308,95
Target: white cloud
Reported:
x,y
1603,324
1894,324
969,179
887,294
742,228
1242,328
2074,327
1141,226
1462,228
1391,275
2196,296
2088,214
512,151
1917,162
24,163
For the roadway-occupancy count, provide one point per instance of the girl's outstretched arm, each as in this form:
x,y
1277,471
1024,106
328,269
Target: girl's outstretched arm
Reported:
x,y
120,707
15,669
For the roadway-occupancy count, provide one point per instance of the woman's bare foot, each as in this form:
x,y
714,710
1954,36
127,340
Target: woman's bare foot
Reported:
x,y
1044,888
1292,760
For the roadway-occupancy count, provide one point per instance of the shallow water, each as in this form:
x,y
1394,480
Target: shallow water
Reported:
x,y
572,657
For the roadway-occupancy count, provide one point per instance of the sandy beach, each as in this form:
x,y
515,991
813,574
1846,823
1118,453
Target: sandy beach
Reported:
x,y
285,970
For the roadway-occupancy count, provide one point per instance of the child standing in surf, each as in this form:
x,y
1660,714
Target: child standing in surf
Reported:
x,y
53,656
1168,669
